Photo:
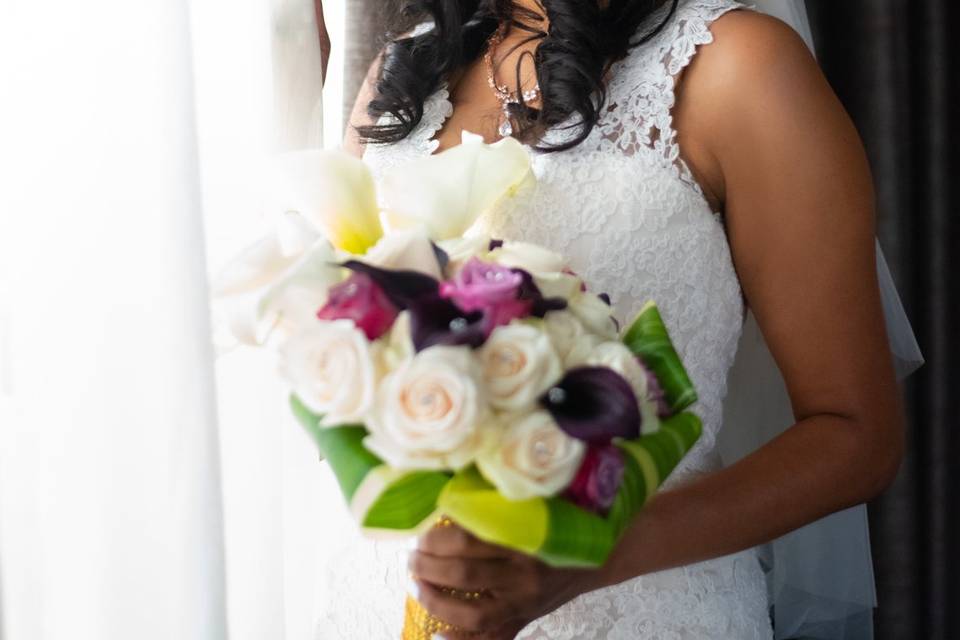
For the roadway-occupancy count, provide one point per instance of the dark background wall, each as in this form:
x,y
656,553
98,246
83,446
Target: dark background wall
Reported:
x,y
894,64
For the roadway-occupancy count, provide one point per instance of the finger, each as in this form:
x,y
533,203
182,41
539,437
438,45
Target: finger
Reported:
x,y
465,574
455,541
479,615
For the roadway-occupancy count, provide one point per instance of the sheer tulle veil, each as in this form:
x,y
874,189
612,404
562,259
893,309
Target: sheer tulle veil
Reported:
x,y
820,577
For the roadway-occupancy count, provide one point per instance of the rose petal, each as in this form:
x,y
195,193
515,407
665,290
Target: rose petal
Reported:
x,y
598,479
361,300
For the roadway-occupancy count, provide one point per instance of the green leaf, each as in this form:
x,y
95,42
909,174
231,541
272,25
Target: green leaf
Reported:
x,y
474,504
659,453
630,498
647,337
404,503
341,446
575,537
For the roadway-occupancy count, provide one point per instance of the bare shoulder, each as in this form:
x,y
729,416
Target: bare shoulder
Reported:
x,y
745,39
754,92
754,59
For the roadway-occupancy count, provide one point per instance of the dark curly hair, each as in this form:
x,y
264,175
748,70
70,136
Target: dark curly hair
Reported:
x,y
582,40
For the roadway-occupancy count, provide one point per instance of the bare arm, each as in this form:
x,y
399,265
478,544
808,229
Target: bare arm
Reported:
x,y
800,215
324,36
358,115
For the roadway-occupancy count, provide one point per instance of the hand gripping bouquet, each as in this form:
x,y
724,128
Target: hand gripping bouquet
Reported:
x,y
444,373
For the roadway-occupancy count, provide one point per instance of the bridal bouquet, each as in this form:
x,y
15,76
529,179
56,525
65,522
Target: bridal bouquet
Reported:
x,y
443,372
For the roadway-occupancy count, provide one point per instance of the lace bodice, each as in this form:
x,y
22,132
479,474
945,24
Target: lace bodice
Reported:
x,y
625,209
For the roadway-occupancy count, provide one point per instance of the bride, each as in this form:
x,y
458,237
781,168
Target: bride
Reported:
x,y
688,151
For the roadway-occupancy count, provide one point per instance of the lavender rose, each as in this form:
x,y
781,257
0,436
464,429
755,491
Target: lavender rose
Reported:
x,y
491,288
598,479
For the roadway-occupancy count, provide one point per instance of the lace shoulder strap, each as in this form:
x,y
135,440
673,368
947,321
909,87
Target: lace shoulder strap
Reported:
x,y
640,94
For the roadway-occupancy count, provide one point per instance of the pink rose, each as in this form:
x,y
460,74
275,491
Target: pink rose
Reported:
x,y
598,479
360,299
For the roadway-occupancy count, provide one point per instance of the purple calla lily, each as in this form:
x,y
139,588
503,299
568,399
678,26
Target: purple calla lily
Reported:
x,y
438,321
529,290
402,287
595,404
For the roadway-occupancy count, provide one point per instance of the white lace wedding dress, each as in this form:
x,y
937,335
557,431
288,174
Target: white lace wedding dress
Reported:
x,y
627,212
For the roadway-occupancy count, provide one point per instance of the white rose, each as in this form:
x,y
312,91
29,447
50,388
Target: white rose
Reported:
x,y
527,256
558,285
397,344
595,314
519,364
429,412
331,369
616,356
569,337
532,457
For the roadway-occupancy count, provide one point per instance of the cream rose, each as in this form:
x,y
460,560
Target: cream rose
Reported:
x,y
429,411
570,338
532,457
331,369
529,257
595,314
519,364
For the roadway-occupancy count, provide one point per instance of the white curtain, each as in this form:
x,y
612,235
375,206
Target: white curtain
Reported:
x,y
132,135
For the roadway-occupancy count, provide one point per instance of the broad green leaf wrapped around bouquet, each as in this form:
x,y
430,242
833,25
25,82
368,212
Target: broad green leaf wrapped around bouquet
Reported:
x,y
647,337
557,531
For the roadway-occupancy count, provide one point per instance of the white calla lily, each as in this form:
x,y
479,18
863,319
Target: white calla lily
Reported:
x,y
530,257
292,302
254,267
334,191
276,282
446,193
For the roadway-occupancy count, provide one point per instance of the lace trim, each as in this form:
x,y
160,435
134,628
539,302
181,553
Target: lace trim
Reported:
x,y
641,93
439,108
